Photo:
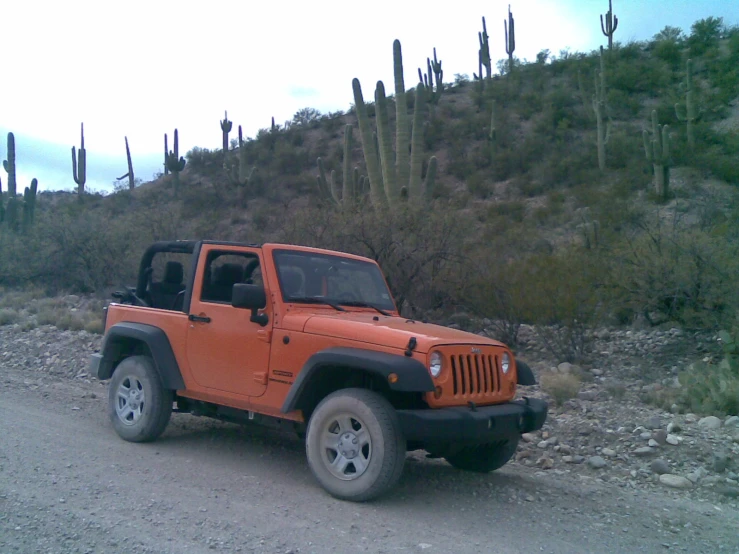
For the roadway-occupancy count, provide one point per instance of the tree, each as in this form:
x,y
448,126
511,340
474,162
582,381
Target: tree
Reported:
x,y
306,116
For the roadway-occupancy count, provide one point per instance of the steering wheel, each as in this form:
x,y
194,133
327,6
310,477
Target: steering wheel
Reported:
x,y
349,295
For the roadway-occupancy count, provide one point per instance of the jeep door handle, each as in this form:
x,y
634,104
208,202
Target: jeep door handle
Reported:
x,y
200,318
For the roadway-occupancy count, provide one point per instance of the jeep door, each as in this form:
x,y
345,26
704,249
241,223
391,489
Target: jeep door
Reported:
x,y
226,351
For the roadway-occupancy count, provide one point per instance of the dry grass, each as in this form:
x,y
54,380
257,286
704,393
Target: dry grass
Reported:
x,y
8,316
560,386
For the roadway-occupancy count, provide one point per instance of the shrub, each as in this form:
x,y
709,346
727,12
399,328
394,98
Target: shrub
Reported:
x,y
560,386
8,317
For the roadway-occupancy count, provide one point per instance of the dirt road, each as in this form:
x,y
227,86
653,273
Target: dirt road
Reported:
x,y
69,484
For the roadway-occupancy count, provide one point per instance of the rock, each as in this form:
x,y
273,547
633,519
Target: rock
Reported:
x,y
573,459
653,423
589,395
675,481
653,443
728,490
528,437
674,440
732,421
545,462
565,367
721,462
644,451
596,462
673,427
608,452
710,422
543,444
675,409
691,418
660,436
645,435
596,372
659,466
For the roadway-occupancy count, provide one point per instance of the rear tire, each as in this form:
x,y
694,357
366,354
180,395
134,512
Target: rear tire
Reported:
x,y
354,444
138,404
483,458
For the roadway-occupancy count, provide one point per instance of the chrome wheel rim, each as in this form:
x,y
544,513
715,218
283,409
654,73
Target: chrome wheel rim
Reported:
x,y
130,400
346,447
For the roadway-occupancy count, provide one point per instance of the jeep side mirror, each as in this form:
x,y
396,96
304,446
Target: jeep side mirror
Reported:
x,y
250,297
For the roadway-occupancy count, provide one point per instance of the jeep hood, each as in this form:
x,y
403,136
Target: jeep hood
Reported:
x,y
393,332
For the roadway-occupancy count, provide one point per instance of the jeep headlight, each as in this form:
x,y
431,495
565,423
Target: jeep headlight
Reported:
x,y
435,362
505,363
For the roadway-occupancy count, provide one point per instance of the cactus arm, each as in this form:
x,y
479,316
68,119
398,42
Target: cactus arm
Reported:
x,y
415,184
377,188
429,181
402,124
387,160
131,179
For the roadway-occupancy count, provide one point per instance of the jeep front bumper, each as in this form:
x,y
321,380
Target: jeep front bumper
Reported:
x,y
479,425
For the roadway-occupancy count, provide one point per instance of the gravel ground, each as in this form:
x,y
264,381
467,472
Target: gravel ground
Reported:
x,y
69,484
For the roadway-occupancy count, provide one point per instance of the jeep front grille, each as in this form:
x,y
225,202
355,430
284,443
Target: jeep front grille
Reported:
x,y
471,374
475,374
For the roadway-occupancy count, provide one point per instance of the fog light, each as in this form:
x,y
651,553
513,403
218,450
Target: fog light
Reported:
x,y
392,378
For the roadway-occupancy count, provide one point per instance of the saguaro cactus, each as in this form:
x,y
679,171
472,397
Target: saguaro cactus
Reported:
x,y
603,130
29,204
11,211
690,113
657,150
434,73
166,155
9,166
79,164
327,185
130,175
394,174
175,163
226,126
609,25
510,38
483,56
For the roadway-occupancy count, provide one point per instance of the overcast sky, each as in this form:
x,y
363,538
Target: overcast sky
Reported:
x,y
142,68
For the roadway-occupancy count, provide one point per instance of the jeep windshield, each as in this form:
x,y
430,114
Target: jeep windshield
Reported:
x,y
308,277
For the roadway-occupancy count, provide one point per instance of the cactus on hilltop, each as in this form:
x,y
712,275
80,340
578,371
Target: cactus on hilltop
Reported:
x,y
175,163
130,175
433,76
29,204
10,212
690,113
609,25
510,38
226,126
483,53
79,164
9,166
657,150
603,130
166,155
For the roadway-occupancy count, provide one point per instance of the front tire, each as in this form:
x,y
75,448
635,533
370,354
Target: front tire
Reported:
x,y
138,404
354,444
483,458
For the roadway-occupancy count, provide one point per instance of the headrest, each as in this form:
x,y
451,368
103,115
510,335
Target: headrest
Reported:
x,y
173,273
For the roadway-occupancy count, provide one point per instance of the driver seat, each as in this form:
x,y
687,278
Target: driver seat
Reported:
x,y
164,293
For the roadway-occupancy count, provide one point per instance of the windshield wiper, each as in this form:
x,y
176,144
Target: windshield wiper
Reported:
x,y
317,300
360,304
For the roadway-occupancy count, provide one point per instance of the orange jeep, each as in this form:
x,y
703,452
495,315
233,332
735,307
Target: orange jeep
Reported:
x,y
310,340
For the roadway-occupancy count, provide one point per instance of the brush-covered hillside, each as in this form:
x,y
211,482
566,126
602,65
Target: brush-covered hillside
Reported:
x,y
577,188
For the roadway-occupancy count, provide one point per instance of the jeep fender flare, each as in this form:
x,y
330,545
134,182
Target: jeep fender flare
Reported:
x,y
413,376
525,375
122,336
